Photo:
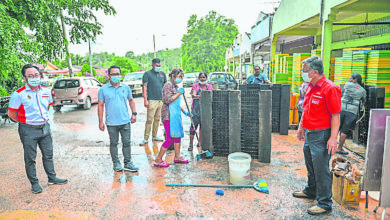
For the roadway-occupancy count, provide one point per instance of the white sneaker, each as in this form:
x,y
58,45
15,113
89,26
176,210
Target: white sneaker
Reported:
x,y
143,142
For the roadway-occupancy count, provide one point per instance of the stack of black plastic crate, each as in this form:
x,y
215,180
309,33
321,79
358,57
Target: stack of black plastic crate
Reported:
x,y
220,115
375,99
276,99
250,122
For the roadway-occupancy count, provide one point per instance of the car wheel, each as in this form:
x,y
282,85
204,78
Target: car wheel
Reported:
x,y
57,108
87,104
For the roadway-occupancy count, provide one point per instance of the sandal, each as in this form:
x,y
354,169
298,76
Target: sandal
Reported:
x,y
181,160
161,164
342,152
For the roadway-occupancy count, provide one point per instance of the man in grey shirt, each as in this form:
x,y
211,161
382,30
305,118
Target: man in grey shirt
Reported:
x,y
153,82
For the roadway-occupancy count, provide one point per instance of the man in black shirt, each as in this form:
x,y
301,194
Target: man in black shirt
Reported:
x,y
153,82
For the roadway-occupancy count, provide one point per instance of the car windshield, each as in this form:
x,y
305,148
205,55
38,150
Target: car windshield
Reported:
x,y
217,77
132,77
189,76
66,84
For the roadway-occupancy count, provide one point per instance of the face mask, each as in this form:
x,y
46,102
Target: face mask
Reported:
x,y
115,79
34,81
178,81
157,69
305,77
203,83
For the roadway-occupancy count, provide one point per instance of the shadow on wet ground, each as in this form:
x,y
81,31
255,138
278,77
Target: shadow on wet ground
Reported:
x,y
95,191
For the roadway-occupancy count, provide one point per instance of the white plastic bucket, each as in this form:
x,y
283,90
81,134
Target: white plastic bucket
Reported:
x,y
239,168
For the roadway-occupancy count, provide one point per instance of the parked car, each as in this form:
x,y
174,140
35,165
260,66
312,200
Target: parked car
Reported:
x,y
225,80
81,91
189,79
45,82
134,81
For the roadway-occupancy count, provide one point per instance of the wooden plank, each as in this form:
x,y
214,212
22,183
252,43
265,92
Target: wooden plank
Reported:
x,y
385,189
206,120
234,121
265,126
284,109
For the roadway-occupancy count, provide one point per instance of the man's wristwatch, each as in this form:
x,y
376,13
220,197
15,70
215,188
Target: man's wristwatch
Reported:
x,y
134,113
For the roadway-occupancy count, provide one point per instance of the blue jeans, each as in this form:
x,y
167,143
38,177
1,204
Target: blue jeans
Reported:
x,y
319,183
113,132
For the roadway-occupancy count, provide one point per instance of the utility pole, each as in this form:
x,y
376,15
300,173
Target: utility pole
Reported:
x,y
154,45
147,61
181,60
65,36
90,56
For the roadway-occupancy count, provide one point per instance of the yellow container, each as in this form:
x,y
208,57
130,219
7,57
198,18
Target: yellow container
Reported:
x,y
296,116
346,192
293,101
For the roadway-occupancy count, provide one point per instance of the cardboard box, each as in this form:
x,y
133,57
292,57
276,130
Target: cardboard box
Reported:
x,y
344,191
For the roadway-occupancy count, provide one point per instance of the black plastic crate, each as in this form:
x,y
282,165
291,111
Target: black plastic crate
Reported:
x,y
250,120
375,99
242,87
220,117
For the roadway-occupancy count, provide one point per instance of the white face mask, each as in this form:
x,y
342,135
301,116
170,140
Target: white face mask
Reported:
x,y
203,83
305,77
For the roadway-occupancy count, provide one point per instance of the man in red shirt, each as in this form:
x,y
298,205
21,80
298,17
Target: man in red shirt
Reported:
x,y
318,128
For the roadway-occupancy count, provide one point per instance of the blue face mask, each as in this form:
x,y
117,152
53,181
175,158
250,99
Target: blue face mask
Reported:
x,y
178,80
305,77
34,82
115,79
157,69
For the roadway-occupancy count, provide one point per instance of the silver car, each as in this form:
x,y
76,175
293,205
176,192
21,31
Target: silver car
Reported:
x,y
134,81
189,79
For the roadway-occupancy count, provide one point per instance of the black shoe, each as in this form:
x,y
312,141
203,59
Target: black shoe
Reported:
x,y
129,166
36,188
58,181
190,148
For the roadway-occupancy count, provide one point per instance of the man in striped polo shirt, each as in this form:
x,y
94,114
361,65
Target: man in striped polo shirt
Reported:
x,y
29,105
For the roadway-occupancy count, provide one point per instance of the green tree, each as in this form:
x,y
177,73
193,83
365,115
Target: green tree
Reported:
x,y
129,54
170,58
87,69
3,92
78,60
43,38
102,59
204,45
126,64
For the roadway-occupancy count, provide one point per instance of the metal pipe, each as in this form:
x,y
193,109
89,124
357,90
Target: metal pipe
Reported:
x,y
321,11
205,185
365,23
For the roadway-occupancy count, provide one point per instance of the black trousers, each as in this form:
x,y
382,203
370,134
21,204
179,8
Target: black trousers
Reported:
x,y
31,137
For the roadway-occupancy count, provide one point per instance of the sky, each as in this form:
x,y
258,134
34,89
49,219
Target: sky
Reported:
x,y
136,21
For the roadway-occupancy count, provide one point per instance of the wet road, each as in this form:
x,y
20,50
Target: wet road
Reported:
x,y
95,191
